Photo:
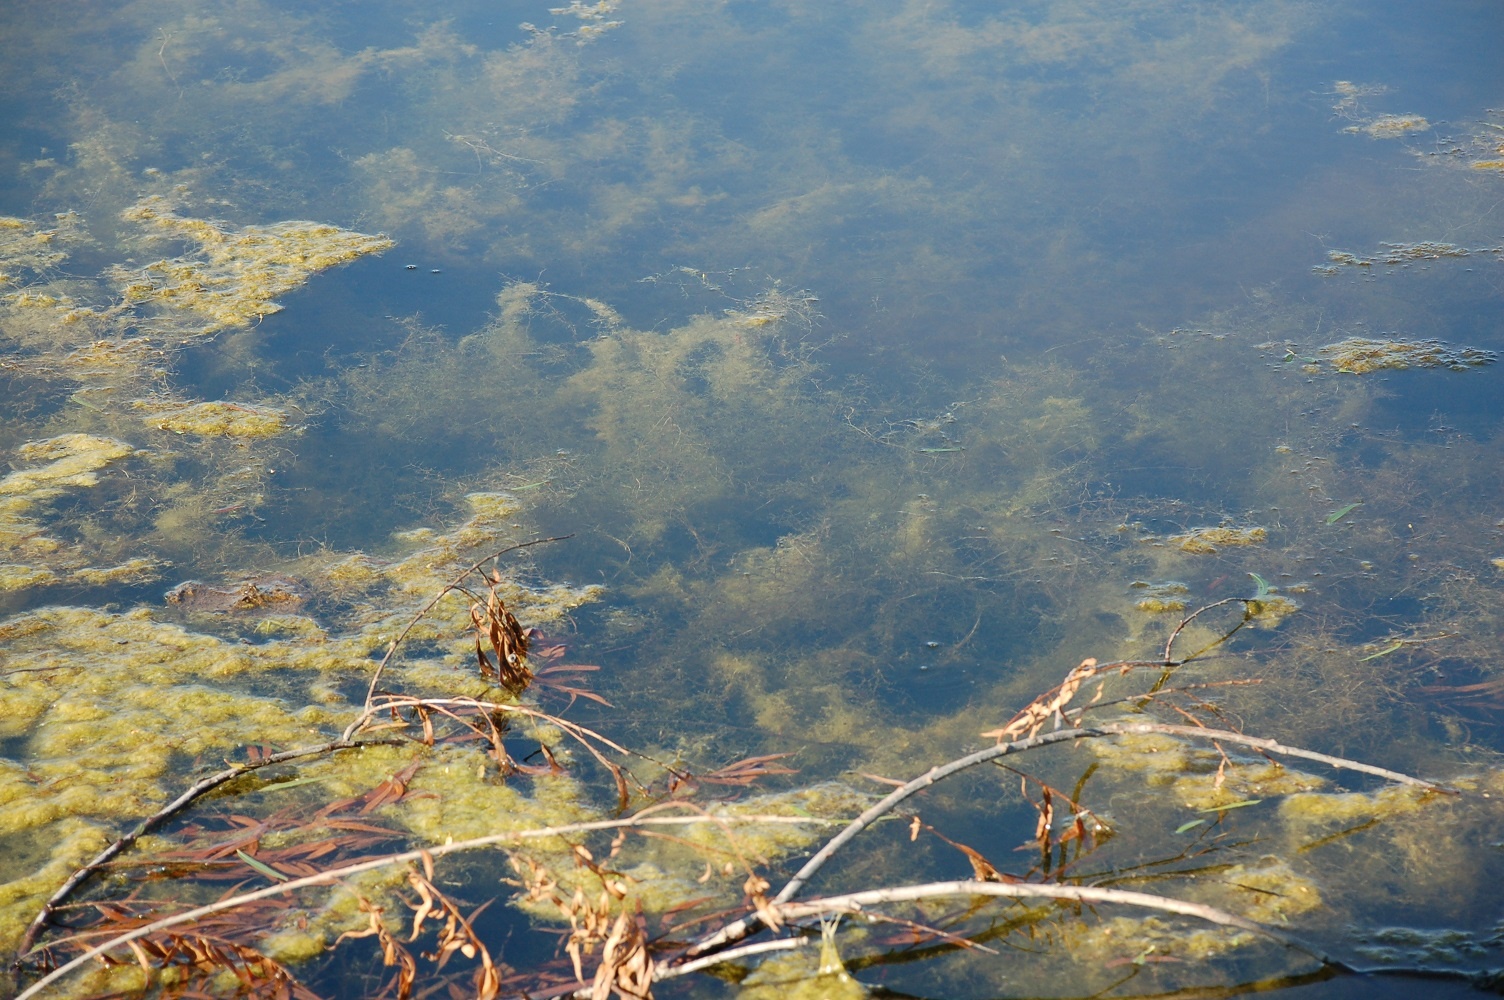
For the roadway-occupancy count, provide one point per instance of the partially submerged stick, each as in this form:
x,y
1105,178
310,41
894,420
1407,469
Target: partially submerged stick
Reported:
x,y
420,854
855,902
1026,727
200,788
739,929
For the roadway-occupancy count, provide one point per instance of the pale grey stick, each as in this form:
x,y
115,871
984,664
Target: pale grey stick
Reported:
x,y
741,928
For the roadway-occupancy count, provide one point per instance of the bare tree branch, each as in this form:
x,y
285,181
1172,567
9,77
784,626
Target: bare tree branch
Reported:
x,y
739,929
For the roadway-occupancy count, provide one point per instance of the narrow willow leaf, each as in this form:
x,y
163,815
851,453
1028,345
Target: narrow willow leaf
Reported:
x,y
261,867
1182,828
1231,805
1338,515
295,782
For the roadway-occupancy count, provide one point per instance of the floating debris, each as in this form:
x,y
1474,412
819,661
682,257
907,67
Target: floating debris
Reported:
x,y
1400,254
30,556
1342,512
1349,105
1167,597
1479,147
1361,355
1268,609
1391,126
72,460
593,18
216,418
1209,540
29,248
15,576
130,571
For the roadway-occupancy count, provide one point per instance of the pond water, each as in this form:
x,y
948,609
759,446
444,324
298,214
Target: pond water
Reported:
x,y
881,364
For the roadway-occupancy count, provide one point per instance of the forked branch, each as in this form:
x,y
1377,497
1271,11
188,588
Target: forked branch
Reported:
x,y
739,929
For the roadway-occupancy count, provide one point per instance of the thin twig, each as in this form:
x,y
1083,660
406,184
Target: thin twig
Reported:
x,y
391,648
663,972
1170,643
1171,664
1342,763
858,902
739,929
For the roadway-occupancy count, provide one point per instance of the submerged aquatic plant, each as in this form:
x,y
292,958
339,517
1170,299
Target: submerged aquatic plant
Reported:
x,y
606,900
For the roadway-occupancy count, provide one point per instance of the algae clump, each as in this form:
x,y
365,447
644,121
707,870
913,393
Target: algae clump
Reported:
x,y
216,418
1361,355
232,276
1392,126
1203,541
64,462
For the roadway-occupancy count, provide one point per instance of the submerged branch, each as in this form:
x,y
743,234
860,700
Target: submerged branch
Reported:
x,y
855,902
198,789
739,929
1270,746
420,855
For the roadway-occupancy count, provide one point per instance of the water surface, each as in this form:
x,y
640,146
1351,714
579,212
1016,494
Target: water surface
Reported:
x,y
882,365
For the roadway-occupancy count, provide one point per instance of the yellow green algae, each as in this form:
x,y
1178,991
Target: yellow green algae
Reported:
x,y
100,698
1306,812
809,973
118,332
1350,105
49,470
654,405
1360,355
1163,598
214,419
28,249
231,276
1389,126
1203,541
1402,255
1266,890
101,737
1476,145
